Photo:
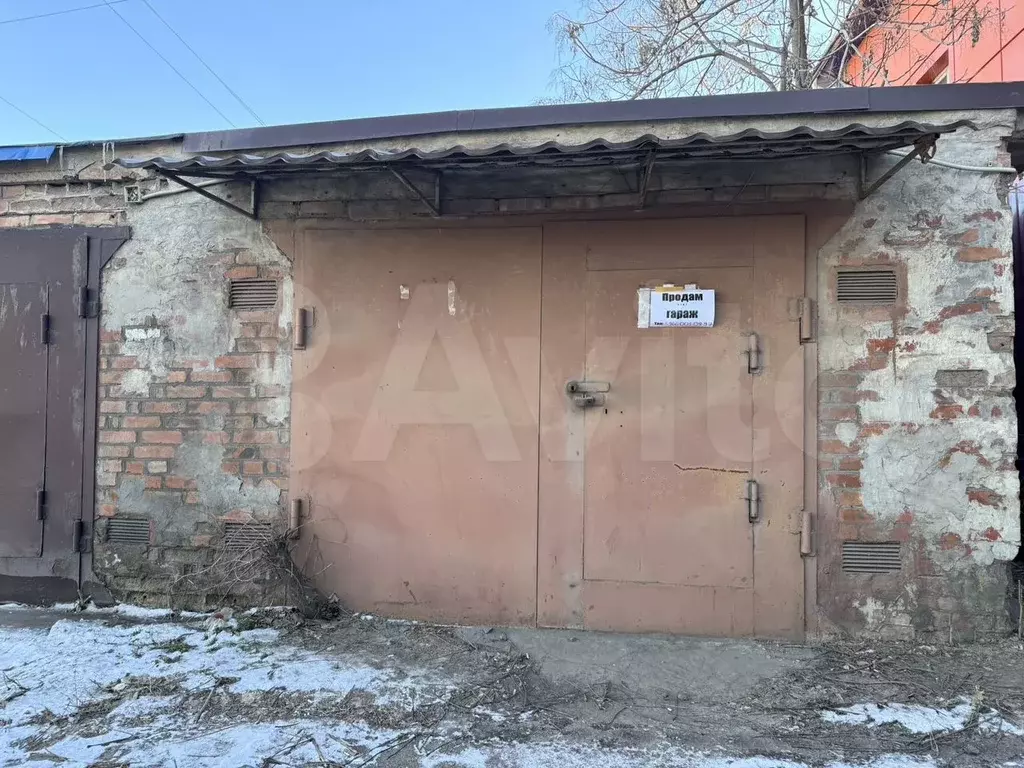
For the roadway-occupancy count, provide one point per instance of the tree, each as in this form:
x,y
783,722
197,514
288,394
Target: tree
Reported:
x,y
633,49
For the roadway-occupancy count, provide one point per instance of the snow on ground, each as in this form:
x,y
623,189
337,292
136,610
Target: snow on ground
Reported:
x,y
133,687
920,719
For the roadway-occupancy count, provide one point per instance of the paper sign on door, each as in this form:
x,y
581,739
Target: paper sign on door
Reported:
x,y
672,306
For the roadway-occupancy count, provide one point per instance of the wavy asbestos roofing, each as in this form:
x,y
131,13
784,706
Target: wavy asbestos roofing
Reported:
x,y
748,144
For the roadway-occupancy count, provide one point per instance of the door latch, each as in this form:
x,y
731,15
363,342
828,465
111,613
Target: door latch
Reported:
x,y
587,394
753,501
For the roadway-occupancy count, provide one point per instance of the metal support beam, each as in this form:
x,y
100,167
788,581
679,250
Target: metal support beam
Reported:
x,y
207,194
433,205
924,148
645,180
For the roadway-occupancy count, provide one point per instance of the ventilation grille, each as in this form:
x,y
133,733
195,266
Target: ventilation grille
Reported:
x,y
127,531
252,294
246,536
867,286
871,557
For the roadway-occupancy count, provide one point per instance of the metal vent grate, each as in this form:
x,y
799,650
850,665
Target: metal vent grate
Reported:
x,y
866,286
243,536
871,557
252,294
123,530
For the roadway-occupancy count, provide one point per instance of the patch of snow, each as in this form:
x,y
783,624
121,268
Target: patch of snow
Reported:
x,y
917,718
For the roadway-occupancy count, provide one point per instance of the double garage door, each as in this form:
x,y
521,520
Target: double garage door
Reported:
x,y
482,431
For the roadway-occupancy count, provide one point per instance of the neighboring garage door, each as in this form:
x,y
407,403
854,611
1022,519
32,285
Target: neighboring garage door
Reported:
x,y
432,358
48,344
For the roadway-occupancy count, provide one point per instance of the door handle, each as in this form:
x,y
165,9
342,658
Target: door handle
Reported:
x,y
587,394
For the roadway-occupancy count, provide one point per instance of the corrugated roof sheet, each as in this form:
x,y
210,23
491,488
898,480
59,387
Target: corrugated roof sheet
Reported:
x,y
748,144
26,153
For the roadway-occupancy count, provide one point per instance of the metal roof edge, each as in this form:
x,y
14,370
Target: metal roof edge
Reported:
x,y
931,98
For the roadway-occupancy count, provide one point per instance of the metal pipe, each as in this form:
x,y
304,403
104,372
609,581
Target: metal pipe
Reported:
x,y
959,166
179,190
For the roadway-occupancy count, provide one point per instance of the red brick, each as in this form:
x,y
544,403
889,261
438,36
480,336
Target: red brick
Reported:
x,y
839,413
173,437
843,480
280,452
211,377
176,377
134,468
154,452
113,406
272,390
269,330
207,408
876,346
202,540
851,464
124,363
111,377
179,483
230,467
163,407
108,510
141,422
110,465
252,468
236,361
849,499
991,534
975,254
947,412
186,391
854,516
949,541
874,429
52,219
258,345
114,451
154,483
232,392
834,447
985,496
117,437
216,438
255,436
241,273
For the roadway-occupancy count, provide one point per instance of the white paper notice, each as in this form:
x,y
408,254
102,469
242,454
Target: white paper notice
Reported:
x,y
671,306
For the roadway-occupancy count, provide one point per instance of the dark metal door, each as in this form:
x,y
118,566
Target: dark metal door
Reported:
x,y
23,374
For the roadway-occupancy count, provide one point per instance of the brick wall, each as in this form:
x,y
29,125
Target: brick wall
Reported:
x,y
917,426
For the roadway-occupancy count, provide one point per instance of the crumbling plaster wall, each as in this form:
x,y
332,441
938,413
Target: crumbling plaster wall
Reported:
x,y
917,425
194,397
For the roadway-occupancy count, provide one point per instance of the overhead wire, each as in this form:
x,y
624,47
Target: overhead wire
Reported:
x,y
166,61
61,13
202,61
35,120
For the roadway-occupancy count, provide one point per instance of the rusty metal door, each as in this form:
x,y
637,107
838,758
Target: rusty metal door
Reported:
x,y
646,522
22,418
414,424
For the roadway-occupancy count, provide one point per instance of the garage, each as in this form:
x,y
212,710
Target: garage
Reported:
x,y
484,434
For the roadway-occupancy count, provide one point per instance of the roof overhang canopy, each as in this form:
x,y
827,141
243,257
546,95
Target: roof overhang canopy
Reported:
x,y
750,144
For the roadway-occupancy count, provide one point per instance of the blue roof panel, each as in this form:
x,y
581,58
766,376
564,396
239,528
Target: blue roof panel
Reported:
x,y
26,153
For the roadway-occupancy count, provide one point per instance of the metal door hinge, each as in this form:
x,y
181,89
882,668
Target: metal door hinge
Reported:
x,y
86,308
44,329
295,519
753,501
77,534
753,354
40,504
807,535
806,308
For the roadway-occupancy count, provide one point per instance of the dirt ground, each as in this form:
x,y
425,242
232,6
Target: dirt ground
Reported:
x,y
273,689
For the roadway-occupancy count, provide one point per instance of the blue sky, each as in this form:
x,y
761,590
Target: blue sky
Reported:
x,y
86,75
